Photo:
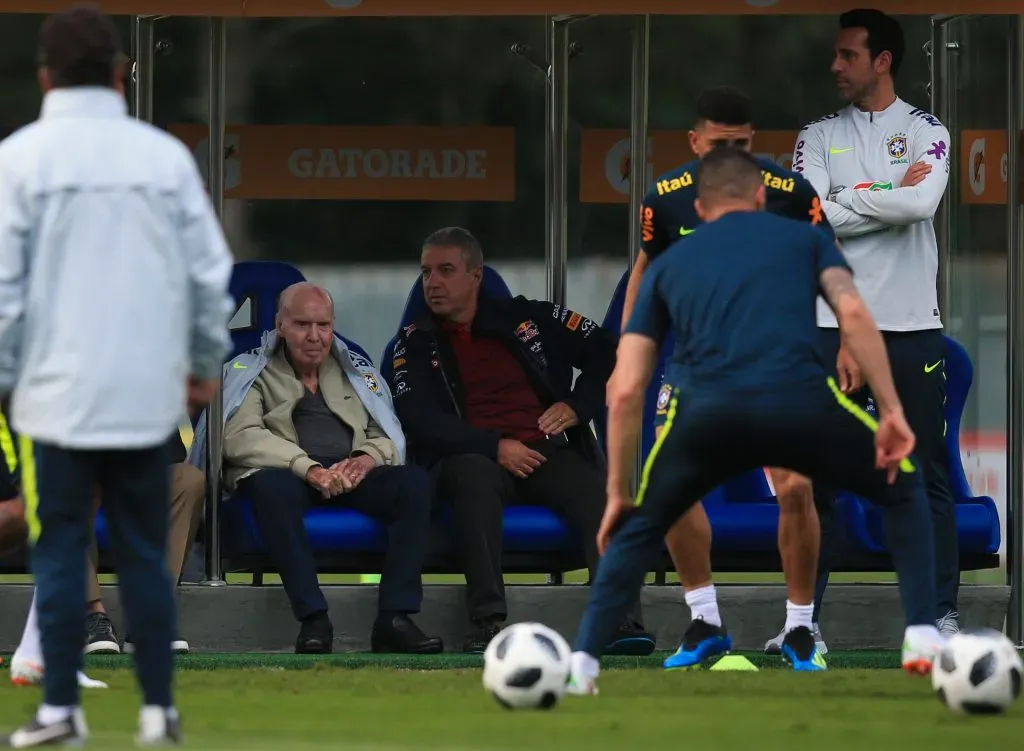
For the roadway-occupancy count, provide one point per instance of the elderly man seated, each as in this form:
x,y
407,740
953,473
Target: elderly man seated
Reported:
x,y
309,422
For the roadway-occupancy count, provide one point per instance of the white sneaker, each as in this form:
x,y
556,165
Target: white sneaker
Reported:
x,y
28,673
921,645
949,624
158,727
774,646
580,686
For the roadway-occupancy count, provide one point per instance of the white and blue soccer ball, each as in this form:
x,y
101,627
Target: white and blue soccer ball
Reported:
x,y
526,666
978,672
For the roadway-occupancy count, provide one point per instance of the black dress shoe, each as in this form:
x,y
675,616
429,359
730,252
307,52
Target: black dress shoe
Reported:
x,y
399,635
316,636
481,635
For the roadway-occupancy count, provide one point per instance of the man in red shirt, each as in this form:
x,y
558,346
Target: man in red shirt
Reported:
x,y
484,389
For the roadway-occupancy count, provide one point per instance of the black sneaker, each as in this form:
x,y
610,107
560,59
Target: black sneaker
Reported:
x,y
482,633
158,728
800,651
69,732
100,638
631,639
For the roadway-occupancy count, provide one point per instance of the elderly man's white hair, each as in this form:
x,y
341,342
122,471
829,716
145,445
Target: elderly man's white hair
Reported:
x,y
289,293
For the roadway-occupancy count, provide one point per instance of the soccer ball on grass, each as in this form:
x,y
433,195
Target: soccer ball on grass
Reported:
x,y
978,672
526,666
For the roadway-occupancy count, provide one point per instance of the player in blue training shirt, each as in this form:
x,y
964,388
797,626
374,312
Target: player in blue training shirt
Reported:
x,y
724,117
739,295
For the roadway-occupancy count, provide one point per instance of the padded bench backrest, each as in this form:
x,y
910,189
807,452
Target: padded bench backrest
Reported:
x,y
959,376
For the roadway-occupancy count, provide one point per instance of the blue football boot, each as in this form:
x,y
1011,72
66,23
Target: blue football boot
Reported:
x,y
801,652
700,643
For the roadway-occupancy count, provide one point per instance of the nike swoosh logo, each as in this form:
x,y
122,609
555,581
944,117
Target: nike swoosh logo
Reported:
x,y
839,151
683,232
930,368
239,366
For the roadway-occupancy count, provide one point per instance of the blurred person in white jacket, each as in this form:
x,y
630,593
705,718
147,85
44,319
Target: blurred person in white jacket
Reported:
x,y
113,316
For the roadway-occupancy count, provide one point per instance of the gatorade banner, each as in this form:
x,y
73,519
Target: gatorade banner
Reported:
x,y
382,163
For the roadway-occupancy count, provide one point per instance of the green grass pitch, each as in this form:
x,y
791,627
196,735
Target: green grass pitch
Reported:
x,y
364,702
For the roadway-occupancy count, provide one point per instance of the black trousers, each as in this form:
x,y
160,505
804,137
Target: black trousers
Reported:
x,y
479,489
397,496
58,485
813,433
917,359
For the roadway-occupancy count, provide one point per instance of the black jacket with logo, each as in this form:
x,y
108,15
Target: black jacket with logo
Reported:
x,y
547,339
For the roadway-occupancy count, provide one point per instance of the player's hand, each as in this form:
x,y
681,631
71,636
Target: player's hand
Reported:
x,y
616,506
518,458
200,393
557,418
894,442
917,172
850,378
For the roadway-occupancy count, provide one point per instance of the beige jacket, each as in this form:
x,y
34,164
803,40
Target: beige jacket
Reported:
x,y
261,434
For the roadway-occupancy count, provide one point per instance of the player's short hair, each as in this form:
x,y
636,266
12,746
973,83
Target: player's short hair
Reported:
x,y
724,105
457,237
728,172
80,46
884,33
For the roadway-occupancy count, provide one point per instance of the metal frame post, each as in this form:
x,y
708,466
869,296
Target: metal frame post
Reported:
x,y
215,412
640,95
142,47
1015,332
557,260
942,89
638,116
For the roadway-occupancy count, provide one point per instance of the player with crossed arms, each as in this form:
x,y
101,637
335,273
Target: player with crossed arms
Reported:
x,y
739,294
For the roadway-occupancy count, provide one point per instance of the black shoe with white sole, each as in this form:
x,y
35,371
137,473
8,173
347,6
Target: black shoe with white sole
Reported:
x,y
100,637
70,733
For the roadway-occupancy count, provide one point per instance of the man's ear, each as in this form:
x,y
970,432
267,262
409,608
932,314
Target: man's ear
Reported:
x,y
700,210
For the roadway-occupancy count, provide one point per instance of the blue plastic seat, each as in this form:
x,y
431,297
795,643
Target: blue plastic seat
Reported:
x,y
977,517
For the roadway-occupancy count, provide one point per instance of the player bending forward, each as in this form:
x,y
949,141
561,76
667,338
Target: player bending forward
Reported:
x,y
739,294
725,117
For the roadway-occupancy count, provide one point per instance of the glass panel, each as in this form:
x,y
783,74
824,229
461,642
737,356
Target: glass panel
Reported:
x,y
353,139
978,247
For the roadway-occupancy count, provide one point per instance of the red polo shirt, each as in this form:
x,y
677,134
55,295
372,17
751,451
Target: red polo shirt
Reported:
x,y
499,395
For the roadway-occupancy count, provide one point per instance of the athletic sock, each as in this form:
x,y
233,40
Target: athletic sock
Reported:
x,y
797,616
909,538
703,604
30,648
50,715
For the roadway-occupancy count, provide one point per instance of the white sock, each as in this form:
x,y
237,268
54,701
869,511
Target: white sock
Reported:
x,y
798,615
50,715
703,604
583,665
30,648
923,633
